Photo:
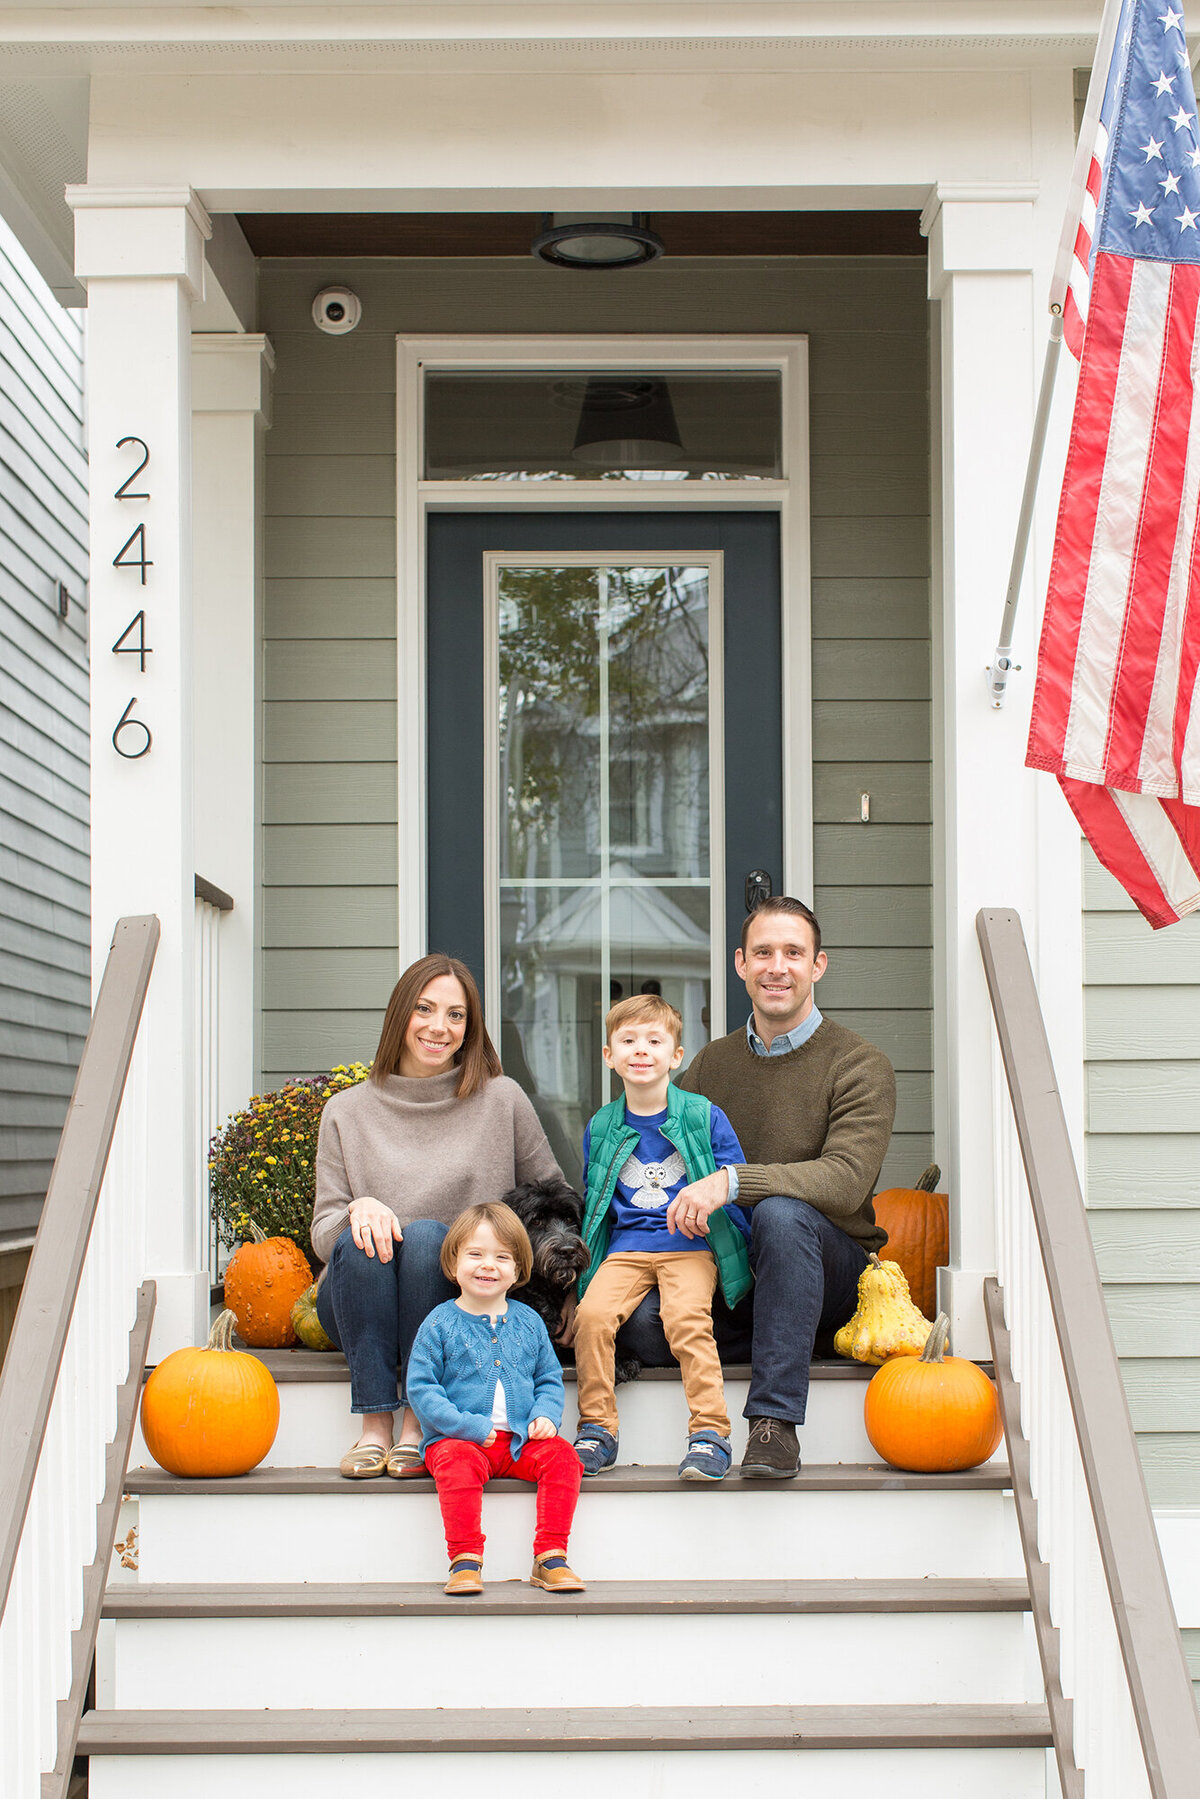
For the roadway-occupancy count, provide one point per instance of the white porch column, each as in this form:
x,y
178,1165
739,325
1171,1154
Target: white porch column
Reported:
x,y
981,248
231,377
141,255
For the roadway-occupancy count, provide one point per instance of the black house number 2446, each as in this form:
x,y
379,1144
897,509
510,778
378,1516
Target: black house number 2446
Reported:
x,y
132,738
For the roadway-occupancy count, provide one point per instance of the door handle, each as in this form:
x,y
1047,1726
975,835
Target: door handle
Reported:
x,y
758,888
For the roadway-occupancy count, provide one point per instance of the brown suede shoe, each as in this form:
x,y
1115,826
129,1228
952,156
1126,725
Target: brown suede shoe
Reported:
x,y
466,1576
772,1451
552,1572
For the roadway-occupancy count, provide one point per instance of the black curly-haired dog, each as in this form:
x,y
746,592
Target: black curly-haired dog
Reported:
x,y
552,1213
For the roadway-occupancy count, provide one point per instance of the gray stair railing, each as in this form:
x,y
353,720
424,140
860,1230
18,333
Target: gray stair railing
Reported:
x,y
1129,1708
70,1384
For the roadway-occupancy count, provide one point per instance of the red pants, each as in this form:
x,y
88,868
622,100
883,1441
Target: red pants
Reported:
x,y
461,1469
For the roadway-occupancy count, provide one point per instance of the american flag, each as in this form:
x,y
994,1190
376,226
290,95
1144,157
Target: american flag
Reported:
x,y
1116,712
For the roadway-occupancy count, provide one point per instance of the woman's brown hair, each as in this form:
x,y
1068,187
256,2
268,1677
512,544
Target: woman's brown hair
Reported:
x,y
477,1061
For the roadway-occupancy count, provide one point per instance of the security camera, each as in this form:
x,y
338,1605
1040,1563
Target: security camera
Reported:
x,y
336,310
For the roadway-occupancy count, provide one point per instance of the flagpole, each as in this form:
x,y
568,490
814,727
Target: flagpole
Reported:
x,y
1002,664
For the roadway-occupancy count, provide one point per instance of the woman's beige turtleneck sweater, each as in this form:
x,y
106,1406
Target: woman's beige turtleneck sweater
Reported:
x,y
412,1144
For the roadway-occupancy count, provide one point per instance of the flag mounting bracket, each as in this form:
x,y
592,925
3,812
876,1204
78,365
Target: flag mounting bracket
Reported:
x,y
997,672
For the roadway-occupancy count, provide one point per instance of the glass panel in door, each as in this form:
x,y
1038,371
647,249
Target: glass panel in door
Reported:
x,y
604,812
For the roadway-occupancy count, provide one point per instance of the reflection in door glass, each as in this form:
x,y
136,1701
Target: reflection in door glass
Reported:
x,y
604,819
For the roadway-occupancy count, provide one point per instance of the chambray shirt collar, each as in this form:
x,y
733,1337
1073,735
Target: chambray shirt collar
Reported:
x,y
781,1046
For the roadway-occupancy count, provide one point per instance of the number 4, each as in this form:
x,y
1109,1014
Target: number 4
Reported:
x,y
140,648
137,537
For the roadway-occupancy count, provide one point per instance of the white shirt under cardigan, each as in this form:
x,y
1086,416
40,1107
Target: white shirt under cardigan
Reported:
x,y
415,1146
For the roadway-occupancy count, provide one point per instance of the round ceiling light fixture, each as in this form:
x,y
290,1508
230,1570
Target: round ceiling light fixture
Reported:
x,y
612,240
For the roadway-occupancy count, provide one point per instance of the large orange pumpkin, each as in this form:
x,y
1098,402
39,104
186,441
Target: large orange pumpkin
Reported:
x,y
263,1281
917,1222
210,1411
932,1413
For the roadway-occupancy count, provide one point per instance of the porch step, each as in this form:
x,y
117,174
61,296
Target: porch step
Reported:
x,y
307,1524
579,1729
610,1598
703,1643
842,1477
315,1423
990,1751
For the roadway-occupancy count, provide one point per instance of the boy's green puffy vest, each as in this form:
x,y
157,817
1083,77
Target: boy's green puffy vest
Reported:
x,y
687,1126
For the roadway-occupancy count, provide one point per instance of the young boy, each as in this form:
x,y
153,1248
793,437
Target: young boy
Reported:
x,y
639,1151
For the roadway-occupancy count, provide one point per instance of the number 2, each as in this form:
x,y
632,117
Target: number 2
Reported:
x,y
122,492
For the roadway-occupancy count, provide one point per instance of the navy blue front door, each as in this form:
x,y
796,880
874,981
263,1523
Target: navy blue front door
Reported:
x,y
573,683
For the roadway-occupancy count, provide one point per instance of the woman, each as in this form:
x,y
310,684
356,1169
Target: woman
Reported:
x,y
436,1128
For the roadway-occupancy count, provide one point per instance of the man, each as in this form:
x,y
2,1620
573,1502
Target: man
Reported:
x,y
812,1104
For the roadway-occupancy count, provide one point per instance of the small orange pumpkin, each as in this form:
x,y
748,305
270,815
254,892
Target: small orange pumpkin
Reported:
x,y
932,1413
211,1411
917,1222
263,1281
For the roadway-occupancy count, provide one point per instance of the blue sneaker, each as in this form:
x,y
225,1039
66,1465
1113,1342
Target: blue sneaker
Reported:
x,y
596,1448
708,1457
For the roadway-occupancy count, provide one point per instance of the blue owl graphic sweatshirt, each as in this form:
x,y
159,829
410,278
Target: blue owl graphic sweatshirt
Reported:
x,y
651,1176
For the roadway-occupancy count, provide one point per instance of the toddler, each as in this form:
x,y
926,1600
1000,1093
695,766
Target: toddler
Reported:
x,y
639,1151
488,1393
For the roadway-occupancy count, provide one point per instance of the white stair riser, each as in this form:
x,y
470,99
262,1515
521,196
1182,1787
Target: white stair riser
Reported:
x,y
316,1425
703,1660
679,1774
688,1533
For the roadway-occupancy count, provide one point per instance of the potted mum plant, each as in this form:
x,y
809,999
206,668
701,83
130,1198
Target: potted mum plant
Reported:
x,y
262,1164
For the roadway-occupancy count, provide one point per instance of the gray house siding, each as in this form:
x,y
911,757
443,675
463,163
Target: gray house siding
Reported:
x,y
1143,1168
329,781
44,914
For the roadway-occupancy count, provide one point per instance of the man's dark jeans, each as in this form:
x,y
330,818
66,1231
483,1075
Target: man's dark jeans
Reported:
x,y
806,1274
372,1310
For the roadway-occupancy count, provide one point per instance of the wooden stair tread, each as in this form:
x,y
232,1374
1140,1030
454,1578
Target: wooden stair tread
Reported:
x,y
288,1365
423,1599
848,1477
575,1728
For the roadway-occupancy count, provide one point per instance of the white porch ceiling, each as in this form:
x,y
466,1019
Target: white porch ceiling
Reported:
x,y
49,54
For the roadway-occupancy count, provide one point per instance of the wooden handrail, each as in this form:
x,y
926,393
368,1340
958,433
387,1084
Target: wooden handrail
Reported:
x,y
39,1335
1151,1648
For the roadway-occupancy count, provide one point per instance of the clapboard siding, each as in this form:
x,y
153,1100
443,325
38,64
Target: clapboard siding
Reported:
x,y
330,780
1142,1036
44,869
1191,1648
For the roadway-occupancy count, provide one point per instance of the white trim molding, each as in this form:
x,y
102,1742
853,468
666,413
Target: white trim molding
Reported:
x,y
140,233
982,246
788,497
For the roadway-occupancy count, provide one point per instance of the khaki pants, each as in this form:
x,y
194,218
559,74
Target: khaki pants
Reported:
x,y
686,1280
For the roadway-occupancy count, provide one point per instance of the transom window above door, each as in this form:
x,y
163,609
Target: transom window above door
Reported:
x,y
525,425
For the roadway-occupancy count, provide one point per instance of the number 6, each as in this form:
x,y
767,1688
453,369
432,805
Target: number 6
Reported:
x,y
125,723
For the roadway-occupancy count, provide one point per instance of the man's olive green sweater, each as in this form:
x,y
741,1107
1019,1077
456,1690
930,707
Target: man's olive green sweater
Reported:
x,y
817,1121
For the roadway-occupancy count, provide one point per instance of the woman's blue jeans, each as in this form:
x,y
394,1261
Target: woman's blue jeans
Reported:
x,y
372,1309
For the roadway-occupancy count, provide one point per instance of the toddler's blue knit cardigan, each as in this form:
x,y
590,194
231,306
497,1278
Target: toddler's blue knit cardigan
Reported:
x,y
458,1357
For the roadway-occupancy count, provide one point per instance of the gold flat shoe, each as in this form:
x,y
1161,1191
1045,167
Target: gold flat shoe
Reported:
x,y
404,1460
466,1576
363,1462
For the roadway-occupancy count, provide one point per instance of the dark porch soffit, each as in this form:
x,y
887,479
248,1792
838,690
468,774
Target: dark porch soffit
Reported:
x,y
512,233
